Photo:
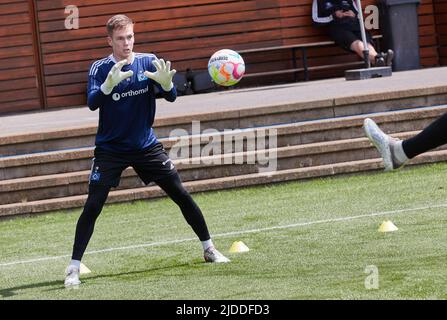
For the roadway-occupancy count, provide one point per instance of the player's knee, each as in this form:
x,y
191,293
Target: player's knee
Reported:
x,y
183,193
184,199
92,208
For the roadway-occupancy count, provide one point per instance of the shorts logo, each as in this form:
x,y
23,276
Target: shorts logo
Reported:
x,y
95,176
170,162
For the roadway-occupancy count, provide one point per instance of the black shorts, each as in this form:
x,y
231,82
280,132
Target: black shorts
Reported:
x,y
344,33
151,165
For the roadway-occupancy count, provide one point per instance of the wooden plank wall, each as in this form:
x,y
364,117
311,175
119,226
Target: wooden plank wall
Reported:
x,y
186,32
427,35
18,74
440,8
297,27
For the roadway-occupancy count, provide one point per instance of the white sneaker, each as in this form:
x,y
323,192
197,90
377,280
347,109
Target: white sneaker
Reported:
x,y
212,255
383,142
72,276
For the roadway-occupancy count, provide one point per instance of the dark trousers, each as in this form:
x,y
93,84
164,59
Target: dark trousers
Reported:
x,y
97,196
431,137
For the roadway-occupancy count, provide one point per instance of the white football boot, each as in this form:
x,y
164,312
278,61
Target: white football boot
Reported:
x,y
212,255
72,276
384,143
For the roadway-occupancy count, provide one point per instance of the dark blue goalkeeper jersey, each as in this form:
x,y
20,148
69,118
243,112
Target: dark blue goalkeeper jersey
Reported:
x,y
127,114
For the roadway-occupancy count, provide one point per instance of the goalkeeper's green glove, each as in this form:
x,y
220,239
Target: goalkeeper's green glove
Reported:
x,y
115,76
163,75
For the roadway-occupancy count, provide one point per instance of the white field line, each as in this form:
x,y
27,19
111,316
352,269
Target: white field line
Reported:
x,y
221,235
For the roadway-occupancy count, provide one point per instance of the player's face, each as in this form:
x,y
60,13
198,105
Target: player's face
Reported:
x,y
122,41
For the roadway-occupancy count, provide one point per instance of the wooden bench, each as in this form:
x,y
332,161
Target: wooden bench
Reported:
x,y
305,68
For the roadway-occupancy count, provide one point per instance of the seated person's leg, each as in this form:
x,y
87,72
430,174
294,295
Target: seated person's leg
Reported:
x,y
380,59
358,47
349,38
342,36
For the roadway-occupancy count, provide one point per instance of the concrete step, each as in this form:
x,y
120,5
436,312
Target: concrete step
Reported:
x,y
247,117
48,163
50,140
216,184
211,167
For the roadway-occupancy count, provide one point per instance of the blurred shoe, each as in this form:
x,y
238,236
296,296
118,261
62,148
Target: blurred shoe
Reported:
x,y
72,276
384,143
379,60
388,56
212,255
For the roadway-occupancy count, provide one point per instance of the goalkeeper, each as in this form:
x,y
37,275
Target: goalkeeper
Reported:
x,y
122,87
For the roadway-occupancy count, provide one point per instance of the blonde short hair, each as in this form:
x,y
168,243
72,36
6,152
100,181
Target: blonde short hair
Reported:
x,y
118,21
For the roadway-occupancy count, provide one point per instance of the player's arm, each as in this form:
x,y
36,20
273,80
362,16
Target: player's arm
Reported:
x,y
98,90
163,77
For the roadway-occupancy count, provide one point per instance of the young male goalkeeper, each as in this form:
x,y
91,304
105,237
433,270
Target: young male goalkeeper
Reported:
x,y
122,87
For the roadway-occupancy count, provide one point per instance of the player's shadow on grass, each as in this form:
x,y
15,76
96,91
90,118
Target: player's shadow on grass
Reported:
x,y
59,284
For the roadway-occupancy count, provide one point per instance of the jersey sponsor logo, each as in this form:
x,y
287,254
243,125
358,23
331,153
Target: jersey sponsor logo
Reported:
x,y
130,93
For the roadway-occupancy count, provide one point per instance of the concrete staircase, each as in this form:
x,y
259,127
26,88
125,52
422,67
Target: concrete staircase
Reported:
x,y
49,170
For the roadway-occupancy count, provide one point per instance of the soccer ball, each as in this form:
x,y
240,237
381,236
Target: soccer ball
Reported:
x,y
226,67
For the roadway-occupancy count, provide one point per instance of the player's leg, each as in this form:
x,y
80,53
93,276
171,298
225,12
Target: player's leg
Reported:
x,y
396,152
433,136
86,223
97,196
173,187
193,215
155,165
105,174
389,148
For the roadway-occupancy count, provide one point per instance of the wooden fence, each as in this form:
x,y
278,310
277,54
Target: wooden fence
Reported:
x,y
43,65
